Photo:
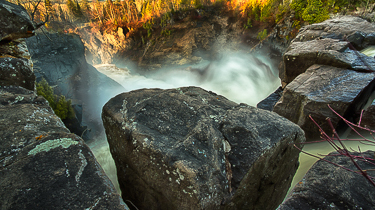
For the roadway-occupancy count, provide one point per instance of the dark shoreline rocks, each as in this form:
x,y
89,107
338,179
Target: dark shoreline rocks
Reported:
x,y
322,68
42,165
326,186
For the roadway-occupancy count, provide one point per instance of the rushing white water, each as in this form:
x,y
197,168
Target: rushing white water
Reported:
x,y
242,78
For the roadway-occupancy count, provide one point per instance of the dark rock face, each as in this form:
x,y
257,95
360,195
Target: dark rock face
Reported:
x,y
58,61
17,72
368,117
329,187
14,22
192,40
324,43
187,148
42,165
358,31
62,63
269,102
321,68
312,91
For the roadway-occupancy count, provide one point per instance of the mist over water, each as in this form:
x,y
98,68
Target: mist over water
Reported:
x,y
243,78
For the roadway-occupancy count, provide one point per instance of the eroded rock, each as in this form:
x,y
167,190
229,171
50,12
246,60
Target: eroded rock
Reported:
x,y
17,72
42,165
187,148
312,91
357,31
326,186
63,64
328,43
15,22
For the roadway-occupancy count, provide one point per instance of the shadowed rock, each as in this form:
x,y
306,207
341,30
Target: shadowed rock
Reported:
x,y
269,102
187,148
15,22
326,186
42,165
63,64
17,72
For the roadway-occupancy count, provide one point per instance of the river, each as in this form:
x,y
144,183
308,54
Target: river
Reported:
x,y
242,78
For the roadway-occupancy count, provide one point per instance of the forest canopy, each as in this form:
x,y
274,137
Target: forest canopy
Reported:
x,y
108,15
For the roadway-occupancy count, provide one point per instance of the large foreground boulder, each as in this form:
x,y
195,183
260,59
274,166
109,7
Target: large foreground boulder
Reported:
x,y
311,93
187,148
326,186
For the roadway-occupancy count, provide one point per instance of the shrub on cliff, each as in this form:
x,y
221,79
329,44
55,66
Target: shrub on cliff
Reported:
x,y
312,11
62,107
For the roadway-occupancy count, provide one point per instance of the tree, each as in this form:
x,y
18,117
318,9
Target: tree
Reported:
x,y
315,12
43,89
62,107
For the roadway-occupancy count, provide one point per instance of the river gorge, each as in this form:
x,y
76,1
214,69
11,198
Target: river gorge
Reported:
x,y
206,115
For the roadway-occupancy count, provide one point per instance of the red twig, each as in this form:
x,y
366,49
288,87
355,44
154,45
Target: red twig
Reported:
x,y
341,148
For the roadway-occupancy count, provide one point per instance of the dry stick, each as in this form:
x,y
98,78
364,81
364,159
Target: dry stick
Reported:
x,y
326,160
351,125
347,153
342,151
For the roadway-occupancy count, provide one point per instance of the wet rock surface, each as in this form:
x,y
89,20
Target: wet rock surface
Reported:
x,y
329,187
312,91
322,68
187,148
269,102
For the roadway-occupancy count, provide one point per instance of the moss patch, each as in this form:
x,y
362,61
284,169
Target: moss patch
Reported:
x,y
51,144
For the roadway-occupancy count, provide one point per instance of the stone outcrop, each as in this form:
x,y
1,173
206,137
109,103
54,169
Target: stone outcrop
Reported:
x,y
15,71
187,148
269,102
329,187
333,52
195,35
63,64
42,165
368,117
327,43
14,22
321,68
311,92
